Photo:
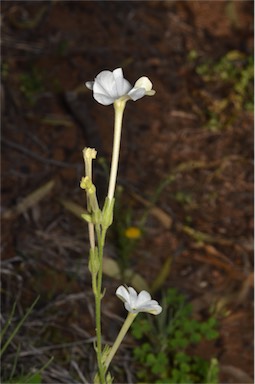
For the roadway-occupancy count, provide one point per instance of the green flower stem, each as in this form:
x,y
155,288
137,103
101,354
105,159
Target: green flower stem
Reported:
x,y
119,106
98,297
125,327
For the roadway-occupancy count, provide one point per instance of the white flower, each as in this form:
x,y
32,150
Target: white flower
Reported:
x,y
136,303
110,86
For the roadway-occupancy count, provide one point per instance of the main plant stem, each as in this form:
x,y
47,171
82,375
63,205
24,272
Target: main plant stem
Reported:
x,y
98,298
119,106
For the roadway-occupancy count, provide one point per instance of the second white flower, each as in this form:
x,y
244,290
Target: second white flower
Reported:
x,y
136,303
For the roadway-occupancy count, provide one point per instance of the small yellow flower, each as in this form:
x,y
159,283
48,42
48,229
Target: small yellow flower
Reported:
x,y
89,153
83,183
87,184
133,233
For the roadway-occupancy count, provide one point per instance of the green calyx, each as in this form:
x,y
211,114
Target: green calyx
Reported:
x,y
107,213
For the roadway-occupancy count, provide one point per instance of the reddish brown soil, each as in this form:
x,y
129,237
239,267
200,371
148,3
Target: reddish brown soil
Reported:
x,y
44,248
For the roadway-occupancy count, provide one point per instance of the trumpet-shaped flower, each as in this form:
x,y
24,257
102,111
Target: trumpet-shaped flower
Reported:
x,y
110,86
136,303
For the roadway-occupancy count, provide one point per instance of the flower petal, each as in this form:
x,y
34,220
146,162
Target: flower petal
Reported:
x,y
105,84
89,84
132,297
128,307
152,307
122,85
123,293
103,99
144,82
142,298
136,93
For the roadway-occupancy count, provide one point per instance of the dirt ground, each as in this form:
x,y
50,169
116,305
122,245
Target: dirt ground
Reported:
x,y
193,141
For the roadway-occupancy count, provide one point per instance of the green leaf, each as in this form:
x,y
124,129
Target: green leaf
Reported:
x,y
195,338
35,378
181,357
158,363
141,328
212,335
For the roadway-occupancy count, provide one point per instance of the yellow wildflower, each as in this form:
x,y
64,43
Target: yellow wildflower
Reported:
x,y
133,233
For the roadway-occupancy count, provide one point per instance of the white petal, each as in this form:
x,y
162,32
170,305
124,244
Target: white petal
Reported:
x,y
117,73
122,85
129,296
132,297
154,309
150,306
103,99
136,93
143,298
89,84
111,84
128,307
122,293
105,77
105,84
145,83
150,93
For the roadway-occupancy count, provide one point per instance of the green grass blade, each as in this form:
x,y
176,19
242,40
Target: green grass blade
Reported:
x,y
8,322
17,328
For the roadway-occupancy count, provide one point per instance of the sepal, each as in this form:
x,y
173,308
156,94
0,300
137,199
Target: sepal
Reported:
x,y
107,213
94,263
87,217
